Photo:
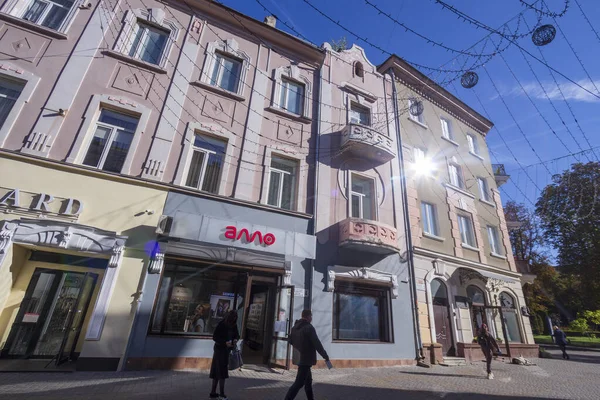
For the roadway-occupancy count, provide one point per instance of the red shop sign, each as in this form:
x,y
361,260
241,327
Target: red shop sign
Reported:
x,y
231,232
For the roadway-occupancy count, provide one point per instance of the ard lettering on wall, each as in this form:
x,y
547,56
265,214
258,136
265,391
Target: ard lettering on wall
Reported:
x,y
39,204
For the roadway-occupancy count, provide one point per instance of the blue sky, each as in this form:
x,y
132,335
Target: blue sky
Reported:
x,y
430,19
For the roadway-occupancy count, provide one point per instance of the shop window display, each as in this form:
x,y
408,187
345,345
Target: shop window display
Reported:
x,y
193,300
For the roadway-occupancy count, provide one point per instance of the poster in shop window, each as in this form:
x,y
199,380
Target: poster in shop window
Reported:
x,y
255,316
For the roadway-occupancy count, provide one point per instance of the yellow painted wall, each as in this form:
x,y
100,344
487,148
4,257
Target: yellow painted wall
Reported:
x,y
110,204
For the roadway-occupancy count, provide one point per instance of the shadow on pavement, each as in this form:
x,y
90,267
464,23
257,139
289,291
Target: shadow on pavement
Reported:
x,y
445,375
190,385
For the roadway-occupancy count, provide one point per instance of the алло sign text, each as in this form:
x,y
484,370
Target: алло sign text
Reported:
x,y
231,232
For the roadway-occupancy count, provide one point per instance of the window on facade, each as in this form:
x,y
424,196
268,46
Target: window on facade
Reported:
x,y
282,182
511,317
447,129
361,312
456,175
473,145
429,218
362,197
476,296
419,155
439,293
360,115
484,190
226,72
192,300
51,14
148,43
112,139
291,97
420,117
494,240
206,164
465,226
358,70
9,93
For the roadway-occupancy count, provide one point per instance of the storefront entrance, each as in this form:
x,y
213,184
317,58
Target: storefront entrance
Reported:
x,y
51,315
194,297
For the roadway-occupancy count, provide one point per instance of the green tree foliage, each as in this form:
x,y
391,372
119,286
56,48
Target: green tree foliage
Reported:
x,y
339,45
569,212
579,325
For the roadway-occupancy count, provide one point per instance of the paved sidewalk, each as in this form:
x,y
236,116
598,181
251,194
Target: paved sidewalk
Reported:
x,y
554,378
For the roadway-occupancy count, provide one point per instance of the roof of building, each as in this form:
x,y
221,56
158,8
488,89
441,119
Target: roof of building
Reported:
x,y
429,89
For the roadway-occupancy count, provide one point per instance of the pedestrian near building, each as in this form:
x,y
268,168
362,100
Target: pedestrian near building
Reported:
x,y
488,345
225,336
560,338
306,345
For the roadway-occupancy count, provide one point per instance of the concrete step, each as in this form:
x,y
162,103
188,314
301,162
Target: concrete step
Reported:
x,y
453,362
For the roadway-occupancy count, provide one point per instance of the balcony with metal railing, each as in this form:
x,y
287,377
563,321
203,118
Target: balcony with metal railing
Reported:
x,y
500,174
366,142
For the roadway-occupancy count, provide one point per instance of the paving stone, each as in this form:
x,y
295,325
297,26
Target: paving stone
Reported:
x,y
578,378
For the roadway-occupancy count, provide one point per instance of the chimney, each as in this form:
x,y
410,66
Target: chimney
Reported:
x,y
270,20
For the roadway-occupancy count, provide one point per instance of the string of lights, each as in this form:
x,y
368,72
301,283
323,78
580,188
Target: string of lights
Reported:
x,y
562,94
486,27
587,20
547,13
550,127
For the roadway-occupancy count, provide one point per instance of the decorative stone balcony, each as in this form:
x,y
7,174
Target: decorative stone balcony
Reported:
x,y
370,236
365,142
500,174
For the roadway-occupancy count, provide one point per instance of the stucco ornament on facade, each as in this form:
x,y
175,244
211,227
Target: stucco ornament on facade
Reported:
x,y
337,271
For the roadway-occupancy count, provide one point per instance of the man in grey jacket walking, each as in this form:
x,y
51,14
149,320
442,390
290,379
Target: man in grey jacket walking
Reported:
x,y
306,342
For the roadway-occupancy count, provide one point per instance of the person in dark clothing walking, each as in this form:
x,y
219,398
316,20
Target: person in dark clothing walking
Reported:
x,y
488,345
560,338
225,336
306,345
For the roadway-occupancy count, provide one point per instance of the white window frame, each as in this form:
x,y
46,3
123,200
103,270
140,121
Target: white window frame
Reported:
x,y
460,179
146,29
416,118
152,18
419,154
88,129
219,64
301,176
273,170
484,189
368,109
473,144
292,73
494,239
207,154
228,48
361,197
18,8
110,139
447,129
429,214
466,222
207,129
30,81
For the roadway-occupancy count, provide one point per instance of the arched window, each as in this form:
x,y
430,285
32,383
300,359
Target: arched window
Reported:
x,y
358,70
511,318
478,302
476,296
439,294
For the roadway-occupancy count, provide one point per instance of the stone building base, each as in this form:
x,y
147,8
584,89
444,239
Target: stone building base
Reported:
x,y
472,351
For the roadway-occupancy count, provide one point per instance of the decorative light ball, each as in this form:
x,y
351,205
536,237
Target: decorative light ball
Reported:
x,y
416,108
469,79
543,35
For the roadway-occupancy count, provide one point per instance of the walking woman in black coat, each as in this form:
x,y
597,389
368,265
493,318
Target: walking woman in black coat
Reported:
x,y
226,336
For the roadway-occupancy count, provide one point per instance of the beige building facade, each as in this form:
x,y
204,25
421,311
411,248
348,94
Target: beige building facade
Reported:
x,y
73,245
464,267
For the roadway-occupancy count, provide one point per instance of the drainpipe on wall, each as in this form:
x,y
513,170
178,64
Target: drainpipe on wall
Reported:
x,y
406,219
316,184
